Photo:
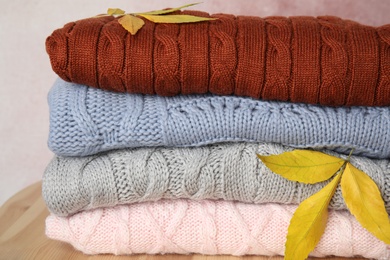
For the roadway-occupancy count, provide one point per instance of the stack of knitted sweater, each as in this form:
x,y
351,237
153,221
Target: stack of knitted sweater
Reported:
x,y
171,166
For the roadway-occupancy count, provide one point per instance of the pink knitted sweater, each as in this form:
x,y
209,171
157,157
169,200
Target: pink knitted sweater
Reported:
x,y
205,227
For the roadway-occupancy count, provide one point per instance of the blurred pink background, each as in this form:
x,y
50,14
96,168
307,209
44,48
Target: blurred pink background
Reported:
x,y
26,75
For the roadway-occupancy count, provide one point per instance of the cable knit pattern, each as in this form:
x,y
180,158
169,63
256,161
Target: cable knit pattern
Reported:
x,y
317,60
205,227
334,60
86,121
278,59
220,171
382,92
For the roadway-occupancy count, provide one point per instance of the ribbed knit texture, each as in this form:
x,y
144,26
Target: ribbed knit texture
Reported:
x,y
205,227
85,121
221,171
324,60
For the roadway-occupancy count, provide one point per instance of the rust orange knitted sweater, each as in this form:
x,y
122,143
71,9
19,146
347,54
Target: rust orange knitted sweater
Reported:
x,y
323,60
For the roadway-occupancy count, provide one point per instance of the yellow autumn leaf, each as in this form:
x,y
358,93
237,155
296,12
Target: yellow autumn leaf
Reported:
x,y
169,10
303,165
115,11
308,222
365,202
179,18
131,23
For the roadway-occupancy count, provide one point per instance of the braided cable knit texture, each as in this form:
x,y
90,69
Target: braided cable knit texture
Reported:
x,y
205,227
229,171
318,60
86,121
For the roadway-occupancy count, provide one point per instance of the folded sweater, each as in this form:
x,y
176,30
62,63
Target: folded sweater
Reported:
x,y
86,121
205,227
324,60
229,171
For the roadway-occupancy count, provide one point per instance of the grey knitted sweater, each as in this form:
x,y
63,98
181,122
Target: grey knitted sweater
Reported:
x,y
229,171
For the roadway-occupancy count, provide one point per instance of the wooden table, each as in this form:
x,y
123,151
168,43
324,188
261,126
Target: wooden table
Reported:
x,y
22,236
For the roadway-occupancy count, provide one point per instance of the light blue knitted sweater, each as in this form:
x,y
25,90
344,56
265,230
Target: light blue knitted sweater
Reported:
x,y
86,121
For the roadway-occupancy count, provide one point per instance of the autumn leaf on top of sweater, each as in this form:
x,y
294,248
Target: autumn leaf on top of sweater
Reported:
x,y
364,201
308,222
360,192
132,23
299,165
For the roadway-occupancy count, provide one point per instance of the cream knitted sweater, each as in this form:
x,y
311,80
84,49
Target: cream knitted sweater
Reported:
x,y
205,227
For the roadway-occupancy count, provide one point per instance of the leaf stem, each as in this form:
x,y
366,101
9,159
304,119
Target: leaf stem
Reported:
x,y
350,154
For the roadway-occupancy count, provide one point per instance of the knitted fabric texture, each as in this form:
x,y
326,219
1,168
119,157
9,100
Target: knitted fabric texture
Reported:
x,y
85,121
205,227
324,60
220,171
